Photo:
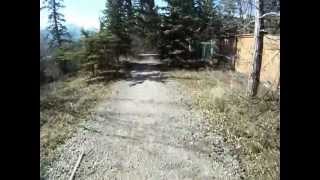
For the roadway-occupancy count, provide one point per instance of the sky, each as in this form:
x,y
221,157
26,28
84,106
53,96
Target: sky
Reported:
x,y
83,13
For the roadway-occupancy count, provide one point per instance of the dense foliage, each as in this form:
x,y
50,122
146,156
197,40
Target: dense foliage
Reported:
x,y
129,27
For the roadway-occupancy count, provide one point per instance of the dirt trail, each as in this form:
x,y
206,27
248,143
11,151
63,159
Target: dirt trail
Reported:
x,y
145,130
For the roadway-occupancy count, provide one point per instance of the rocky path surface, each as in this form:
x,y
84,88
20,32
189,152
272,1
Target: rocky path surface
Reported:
x,y
145,130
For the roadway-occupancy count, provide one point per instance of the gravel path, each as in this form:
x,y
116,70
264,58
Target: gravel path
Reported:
x,y
145,130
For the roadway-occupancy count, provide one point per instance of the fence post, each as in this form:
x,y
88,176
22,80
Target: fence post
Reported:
x,y
234,57
211,47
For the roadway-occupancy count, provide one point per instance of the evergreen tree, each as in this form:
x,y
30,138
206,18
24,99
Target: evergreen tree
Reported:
x,y
228,14
113,39
210,22
117,21
147,21
180,28
228,7
271,25
58,31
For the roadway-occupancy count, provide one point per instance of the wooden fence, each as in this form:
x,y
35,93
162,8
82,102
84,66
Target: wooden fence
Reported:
x,y
241,49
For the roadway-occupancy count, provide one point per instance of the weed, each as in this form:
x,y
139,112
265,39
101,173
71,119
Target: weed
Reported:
x,y
63,105
251,126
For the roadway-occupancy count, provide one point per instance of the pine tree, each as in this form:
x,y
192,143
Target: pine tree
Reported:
x,y
229,7
117,22
146,23
271,25
210,23
179,29
227,12
58,31
105,47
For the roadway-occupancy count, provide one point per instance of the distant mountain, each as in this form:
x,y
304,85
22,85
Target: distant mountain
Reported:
x,y
44,33
44,38
74,30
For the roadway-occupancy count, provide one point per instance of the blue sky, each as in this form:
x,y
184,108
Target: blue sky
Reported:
x,y
84,13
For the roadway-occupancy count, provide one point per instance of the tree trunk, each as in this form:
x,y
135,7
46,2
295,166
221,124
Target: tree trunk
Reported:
x,y
278,86
254,76
56,23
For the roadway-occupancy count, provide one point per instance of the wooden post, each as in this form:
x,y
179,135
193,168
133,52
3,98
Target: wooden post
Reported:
x,y
254,76
278,86
203,51
234,51
211,47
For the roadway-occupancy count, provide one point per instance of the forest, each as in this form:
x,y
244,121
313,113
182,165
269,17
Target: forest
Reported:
x,y
175,31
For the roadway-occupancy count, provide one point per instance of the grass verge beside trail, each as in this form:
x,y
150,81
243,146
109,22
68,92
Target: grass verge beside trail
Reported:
x,y
63,105
250,126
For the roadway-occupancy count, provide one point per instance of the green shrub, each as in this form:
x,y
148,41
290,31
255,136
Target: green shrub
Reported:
x,y
70,57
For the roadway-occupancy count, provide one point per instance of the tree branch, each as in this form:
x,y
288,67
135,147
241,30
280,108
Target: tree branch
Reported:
x,y
278,39
43,7
270,14
245,26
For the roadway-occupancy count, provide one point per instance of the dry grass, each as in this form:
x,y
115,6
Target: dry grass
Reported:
x,y
63,105
250,126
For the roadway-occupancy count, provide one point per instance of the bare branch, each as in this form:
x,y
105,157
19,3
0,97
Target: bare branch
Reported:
x,y
272,38
245,26
253,5
263,31
76,166
270,14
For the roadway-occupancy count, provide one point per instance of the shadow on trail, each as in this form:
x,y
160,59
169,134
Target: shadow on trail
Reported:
x,y
148,68
135,73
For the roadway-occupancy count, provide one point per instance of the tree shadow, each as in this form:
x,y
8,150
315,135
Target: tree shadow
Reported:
x,y
134,72
138,71
142,76
107,76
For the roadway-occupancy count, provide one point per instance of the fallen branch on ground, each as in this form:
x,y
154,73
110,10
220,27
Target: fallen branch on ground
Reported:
x,y
76,166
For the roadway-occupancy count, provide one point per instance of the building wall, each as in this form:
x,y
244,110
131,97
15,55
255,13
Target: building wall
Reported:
x,y
270,68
